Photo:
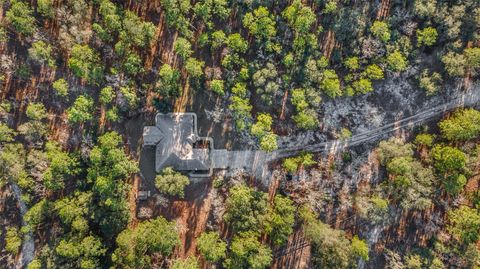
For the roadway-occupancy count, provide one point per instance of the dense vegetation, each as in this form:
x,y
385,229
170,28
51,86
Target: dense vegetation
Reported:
x,y
74,73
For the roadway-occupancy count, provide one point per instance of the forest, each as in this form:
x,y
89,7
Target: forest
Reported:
x,y
371,109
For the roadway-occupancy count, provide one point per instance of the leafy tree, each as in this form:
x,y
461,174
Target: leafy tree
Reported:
x,y
351,63
424,140
260,23
136,31
37,214
362,86
183,48
61,87
81,252
171,182
135,246
374,72
292,164
427,36
262,126
129,96
330,7
218,39
73,211
211,246
280,220
454,64
188,263
41,53
85,63
397,62
430,83
360,248
330,247
461,126
6,134
330,84
60,166
381,31
247,252
464,223
217,86
176,12
299,17
36,111
111,21
194,67
132,64
448,159
109,166
45,8
168,83
207,9
35,264
472,56
306,120
268,142
20,16
454,184
236,43
245,208
81,110
106,95
13,241
425,8
241,111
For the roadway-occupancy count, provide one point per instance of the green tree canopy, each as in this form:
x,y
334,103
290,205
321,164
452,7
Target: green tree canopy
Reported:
x,y
280,220
42,53
245,208
464,223
461,126
20,16
427,36
211,246
135,246
397,62
168,83
381,30
81,110
247,252
171,182
85,63
61,87
260,23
